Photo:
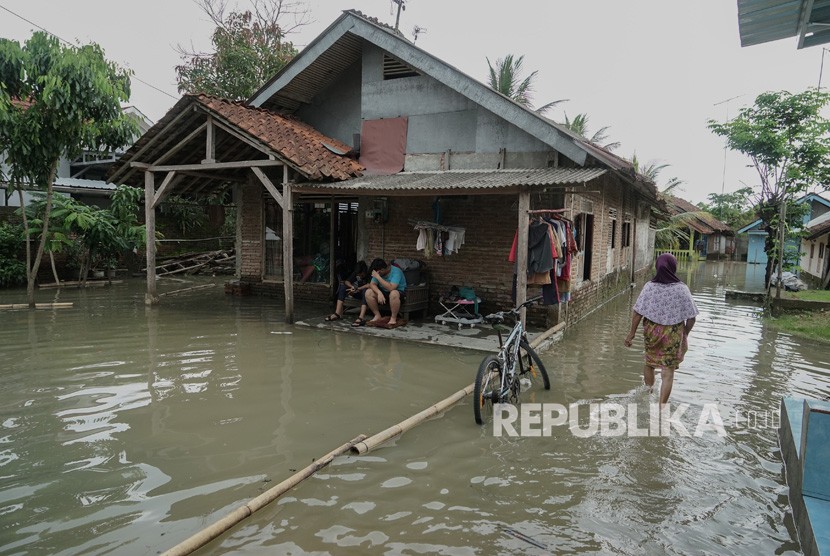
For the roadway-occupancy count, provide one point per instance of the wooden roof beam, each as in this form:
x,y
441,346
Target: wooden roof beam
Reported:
x,y
208,165
268,185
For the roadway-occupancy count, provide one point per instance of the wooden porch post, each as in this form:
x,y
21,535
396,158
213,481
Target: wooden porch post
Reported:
x,y
288,246
521,251
151,297
691,244
332,239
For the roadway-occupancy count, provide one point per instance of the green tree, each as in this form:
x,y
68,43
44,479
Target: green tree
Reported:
x,y
56,101
505,77
249,47
12,269
733,208
104,235
788,143
580,125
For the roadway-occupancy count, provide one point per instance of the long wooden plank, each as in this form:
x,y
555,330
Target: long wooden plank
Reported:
x,y
268,185
521,251
288,246
163,190
216,165
151,297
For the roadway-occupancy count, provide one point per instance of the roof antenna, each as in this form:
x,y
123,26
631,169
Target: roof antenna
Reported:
x,y
401,6
417,30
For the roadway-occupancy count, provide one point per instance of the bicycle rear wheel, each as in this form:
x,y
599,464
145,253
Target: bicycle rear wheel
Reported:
x,y
532,368
487,388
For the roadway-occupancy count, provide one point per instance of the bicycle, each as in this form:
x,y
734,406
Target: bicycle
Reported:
x,y
499,377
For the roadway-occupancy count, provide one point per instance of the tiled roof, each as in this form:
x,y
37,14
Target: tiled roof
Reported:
x,y
304,148
20,103
299,143
702,221
462,180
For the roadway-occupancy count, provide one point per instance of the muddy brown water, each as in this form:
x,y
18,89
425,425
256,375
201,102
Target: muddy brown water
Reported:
x,y
124,430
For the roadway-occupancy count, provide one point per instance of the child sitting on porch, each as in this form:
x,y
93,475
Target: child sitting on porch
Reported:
x,y
355,285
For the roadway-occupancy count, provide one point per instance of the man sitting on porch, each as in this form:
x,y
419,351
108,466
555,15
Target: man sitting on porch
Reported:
x,y
388,284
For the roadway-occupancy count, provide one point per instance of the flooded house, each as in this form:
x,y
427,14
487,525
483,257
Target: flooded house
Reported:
x,y
367,146
708,237
815,260
795,248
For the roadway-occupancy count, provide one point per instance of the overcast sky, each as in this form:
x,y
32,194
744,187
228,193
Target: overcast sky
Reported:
x,y
653,70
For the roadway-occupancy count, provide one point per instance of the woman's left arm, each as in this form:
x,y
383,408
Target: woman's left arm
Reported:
x,y
635,322
689,325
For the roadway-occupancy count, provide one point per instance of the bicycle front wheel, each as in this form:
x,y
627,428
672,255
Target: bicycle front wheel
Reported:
x,y
487,389
532,368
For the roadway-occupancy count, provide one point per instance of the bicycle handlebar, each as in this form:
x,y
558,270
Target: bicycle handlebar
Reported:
x,y
496,318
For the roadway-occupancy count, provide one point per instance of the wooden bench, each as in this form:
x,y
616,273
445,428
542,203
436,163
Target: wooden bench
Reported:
x,y
417,299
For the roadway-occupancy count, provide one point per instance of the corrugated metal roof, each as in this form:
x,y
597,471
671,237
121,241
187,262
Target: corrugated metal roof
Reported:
x,y
460,180
818,226
763,21
84,184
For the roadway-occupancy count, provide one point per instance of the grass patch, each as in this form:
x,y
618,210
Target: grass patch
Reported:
x,y
810,324
810,295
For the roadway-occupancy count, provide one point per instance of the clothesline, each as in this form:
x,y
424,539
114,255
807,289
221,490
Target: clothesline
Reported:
x,y
424,225
557,213
546,211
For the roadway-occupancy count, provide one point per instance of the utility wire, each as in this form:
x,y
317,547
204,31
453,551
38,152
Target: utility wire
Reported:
x,y
70,44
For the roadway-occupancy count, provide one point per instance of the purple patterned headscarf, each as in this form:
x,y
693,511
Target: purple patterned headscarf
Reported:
x,y
666,267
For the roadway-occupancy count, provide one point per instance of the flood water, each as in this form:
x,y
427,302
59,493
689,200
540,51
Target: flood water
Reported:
x,y
124,430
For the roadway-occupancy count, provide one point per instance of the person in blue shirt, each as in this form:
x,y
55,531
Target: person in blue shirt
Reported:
x,y
388,285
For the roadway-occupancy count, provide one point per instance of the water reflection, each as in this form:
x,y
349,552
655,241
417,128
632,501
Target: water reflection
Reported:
x,y
126,429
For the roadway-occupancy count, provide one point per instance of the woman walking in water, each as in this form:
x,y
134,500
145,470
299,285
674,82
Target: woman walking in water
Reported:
x,y
668,313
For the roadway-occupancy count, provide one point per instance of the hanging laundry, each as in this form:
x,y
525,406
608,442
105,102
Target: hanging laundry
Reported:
x,y
432,241
421,244
439,244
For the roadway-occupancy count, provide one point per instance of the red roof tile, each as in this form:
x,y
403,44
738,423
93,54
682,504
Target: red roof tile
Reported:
x,y
706,223
299,143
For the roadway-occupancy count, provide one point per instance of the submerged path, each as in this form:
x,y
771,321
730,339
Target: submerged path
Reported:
x,y
126,429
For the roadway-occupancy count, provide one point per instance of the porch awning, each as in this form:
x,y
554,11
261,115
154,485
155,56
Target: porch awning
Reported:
x,y
458,182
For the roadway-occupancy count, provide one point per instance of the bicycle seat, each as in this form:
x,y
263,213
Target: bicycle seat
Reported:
x,y
494,318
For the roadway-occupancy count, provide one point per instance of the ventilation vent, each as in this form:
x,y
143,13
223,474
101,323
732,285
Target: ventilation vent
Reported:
x,y
612,213
587,206
395,69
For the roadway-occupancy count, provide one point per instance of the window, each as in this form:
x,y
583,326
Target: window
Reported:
x,y
812,250
626,234
820,250
613,234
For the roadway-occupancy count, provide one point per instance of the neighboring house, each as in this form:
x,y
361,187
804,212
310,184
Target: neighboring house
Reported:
x,y
363,136
757,234
815,260
83,178
708,236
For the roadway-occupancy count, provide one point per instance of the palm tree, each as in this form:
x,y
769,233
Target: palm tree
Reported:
x,y
505,77
580,125
652,171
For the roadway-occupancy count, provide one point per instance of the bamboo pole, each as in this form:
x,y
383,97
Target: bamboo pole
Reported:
x,y
63,305
217,528
537,341
76,284
396,430
190,289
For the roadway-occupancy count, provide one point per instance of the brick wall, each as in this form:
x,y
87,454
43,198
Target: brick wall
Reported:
x,y
490,222
250,233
